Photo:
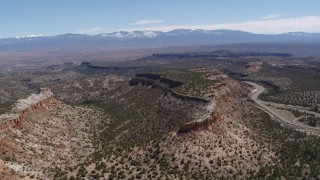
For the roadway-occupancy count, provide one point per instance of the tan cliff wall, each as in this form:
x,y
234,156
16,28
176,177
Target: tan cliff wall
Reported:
x,y
219,93
205,125
16,122
22,109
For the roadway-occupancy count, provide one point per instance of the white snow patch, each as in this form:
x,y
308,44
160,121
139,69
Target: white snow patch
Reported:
x,y
29,36
149,34
134,34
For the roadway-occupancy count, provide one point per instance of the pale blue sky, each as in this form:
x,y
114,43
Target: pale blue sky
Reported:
x,y
52,17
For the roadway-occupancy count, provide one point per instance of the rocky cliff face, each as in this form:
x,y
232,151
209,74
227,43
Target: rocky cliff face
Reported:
x,y
23,107
224,90
202,125
33,101
216,139
43,133
219,95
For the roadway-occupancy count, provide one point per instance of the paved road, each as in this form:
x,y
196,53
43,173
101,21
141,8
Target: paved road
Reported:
x,y
263,104
299,108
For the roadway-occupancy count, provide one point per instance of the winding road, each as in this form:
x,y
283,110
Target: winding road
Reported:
x,y
264,105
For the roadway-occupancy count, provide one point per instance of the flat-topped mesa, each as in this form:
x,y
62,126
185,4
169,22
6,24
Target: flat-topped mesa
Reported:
x,y
181,84
23,107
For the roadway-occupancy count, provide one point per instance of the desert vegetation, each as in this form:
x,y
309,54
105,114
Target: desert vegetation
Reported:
x,y
102,126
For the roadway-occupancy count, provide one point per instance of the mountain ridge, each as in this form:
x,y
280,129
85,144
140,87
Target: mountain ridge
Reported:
x,y
147,38
172,32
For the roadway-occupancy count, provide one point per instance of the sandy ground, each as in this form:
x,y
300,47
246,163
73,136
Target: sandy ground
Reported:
x,y
284,113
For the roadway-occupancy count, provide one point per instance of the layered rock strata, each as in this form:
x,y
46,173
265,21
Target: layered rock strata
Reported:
x,y
22,108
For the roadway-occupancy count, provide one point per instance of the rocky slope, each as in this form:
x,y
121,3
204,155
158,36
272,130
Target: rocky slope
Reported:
x,y
23,107
183,137
191,124
220,145
42,135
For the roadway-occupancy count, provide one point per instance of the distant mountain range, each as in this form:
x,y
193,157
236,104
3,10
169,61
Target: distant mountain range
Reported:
x,y
219,53
122,39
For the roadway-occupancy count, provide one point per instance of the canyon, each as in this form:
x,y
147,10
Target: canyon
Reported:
x,y
89,123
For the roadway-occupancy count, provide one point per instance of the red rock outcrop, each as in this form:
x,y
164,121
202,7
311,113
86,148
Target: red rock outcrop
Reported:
x,y
18,121
205,125
8,121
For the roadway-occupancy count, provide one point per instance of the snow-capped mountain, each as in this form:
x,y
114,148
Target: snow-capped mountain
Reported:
x,y
148,38
29,36
133,34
